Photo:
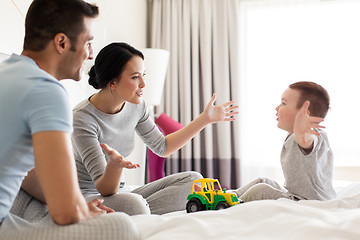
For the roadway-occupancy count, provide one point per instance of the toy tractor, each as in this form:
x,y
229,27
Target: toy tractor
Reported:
x,y
208,195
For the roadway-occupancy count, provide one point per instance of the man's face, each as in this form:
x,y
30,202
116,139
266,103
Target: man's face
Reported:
x,y
287,110
71,66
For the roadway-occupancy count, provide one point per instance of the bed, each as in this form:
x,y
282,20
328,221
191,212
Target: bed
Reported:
x,y
267,219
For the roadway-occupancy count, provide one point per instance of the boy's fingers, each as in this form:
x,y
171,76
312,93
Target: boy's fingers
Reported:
x,y
316,125
314,132
316,119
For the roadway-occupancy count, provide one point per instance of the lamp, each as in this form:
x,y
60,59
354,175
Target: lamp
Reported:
x,y
156,62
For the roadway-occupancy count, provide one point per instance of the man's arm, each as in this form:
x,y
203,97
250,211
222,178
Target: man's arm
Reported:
x,y
56,172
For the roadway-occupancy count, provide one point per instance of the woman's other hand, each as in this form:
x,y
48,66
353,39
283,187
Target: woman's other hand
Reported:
x,y
116,159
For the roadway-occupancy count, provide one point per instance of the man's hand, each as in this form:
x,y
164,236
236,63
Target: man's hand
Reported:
x,y
56,173
96,208
304,126
116,159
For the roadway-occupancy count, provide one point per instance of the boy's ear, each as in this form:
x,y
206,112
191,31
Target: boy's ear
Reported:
x,y
306,105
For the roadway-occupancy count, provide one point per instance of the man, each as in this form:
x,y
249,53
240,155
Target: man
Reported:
x,y
36,123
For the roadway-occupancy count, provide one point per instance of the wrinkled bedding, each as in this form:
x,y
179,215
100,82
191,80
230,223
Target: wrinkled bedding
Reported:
x,y
267,219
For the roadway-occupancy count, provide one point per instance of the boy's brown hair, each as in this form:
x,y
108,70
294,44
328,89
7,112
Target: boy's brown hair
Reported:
x,y
316,94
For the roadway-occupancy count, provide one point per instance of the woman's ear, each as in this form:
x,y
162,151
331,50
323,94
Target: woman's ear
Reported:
x,y
112,85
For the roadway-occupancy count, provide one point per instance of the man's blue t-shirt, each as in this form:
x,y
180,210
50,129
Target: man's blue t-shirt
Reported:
x,y
31,101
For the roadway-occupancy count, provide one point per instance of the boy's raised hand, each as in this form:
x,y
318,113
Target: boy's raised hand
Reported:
x,y
224,112
304,126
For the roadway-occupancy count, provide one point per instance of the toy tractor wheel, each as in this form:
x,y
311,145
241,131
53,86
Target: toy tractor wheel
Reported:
x,y
222,205
194,205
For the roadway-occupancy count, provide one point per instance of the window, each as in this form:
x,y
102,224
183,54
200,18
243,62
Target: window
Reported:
x,y
300,41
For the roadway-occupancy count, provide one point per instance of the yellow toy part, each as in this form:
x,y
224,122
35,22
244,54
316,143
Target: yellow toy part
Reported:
x,y
207,194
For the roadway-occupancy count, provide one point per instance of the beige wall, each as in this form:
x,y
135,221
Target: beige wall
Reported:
x,y
124,20
119,20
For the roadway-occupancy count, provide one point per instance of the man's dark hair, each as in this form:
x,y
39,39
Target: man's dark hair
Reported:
x,y
46,18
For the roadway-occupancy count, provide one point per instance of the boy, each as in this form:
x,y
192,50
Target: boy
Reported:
x,y
306,157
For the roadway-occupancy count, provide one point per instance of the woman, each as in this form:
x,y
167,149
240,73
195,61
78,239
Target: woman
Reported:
x,y
112,116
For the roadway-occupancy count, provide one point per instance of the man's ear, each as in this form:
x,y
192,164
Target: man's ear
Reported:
x,y
61,41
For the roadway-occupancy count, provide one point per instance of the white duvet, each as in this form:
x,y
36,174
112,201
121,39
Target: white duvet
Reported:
x,y
267,219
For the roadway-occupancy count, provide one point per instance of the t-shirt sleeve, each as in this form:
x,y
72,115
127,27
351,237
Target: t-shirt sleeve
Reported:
x,y
46,107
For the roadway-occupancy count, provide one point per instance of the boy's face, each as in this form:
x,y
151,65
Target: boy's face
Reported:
x,y
287,110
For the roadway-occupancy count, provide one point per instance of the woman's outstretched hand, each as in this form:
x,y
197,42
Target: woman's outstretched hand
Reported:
x,y
116,159
224,112
211,114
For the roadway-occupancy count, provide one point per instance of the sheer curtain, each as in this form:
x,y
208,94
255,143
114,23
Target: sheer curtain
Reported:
x,y
202,37
288,41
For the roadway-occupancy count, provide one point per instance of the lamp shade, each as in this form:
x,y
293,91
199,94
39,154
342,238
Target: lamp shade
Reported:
x,y
156,62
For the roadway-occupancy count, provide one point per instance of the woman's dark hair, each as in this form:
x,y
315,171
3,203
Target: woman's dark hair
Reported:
x,y
316,94
110,63
46,18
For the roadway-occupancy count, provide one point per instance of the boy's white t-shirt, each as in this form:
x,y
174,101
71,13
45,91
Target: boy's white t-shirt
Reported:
x,y
308,176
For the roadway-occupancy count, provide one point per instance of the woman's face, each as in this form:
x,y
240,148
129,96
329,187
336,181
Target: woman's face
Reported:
x,y
131,82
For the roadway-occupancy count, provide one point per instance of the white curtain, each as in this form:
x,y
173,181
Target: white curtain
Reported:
x,y
202,37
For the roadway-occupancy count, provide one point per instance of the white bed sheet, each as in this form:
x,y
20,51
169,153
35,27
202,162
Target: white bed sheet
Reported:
x,y
268,219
